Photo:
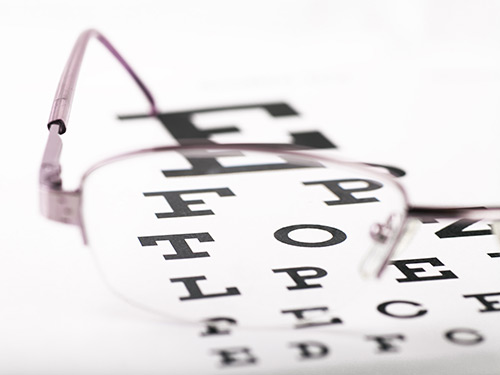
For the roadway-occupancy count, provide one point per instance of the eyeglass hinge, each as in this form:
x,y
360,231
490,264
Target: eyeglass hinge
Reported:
x,y
60,205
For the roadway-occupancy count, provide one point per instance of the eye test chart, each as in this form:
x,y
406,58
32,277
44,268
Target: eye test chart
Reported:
x,y
253,269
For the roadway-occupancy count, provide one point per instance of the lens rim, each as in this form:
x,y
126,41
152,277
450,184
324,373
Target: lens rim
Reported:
x,y
283,150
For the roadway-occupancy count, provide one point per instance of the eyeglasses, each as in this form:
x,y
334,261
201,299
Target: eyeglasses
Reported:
x,y
174,225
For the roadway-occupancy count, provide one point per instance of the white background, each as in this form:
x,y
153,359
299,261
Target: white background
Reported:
x,y
414,84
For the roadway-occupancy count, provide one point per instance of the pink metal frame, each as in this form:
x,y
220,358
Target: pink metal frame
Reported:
x,y
64,95
65,206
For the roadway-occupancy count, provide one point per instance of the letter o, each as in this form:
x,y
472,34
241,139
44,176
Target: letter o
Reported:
x,y
282,235
473,339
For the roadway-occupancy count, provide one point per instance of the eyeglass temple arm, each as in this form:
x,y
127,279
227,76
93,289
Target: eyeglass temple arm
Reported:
x,y
50,171
64,95
473,213
56,203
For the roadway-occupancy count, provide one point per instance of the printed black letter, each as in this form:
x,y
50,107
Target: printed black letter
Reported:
x,y
178,241
345,193
283,235
489,306
383,309
191,284
218,326
385,342
311,349
306,322
411,273
236,356
181,207
300,279
464,336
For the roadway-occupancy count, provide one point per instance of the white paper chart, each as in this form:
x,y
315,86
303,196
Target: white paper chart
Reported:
x,y
315,311
411,89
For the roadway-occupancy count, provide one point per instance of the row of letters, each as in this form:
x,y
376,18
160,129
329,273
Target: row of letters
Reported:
x,y
311,350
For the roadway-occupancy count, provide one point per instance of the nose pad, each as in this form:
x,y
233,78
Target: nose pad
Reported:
x,y
387,238
496,230
381,232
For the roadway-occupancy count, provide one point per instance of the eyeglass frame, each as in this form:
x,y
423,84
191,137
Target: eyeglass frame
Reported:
x,y
65,206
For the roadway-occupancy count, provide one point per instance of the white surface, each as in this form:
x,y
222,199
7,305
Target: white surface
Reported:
x,y
414,84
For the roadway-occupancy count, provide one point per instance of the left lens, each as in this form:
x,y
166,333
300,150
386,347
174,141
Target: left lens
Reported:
x,y
203,232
